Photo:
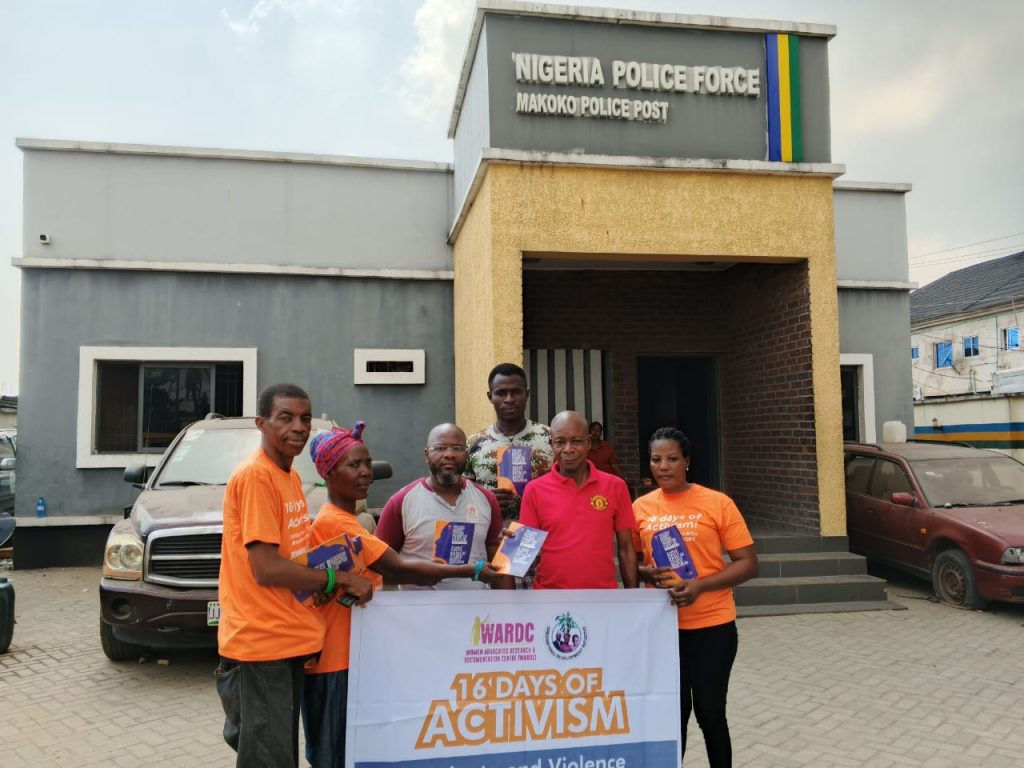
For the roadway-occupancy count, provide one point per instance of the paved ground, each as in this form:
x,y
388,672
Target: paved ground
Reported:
x,y
929,686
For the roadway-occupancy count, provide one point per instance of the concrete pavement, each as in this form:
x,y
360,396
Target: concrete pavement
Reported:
x,y
929,686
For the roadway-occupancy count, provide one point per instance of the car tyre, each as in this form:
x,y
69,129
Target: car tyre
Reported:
x,y
115,649
953,580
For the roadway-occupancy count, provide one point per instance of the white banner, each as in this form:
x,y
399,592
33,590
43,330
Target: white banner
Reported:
x,y
496,679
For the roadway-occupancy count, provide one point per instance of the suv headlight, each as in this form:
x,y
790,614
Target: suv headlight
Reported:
x,y
122,557
1013,556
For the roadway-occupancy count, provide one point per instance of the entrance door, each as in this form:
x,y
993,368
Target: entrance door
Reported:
x,y
681,392
849,379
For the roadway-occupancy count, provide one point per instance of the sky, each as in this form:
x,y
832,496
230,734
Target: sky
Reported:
x,y
929,92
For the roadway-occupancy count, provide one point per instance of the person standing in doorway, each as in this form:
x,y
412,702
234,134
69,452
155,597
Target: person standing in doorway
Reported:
x,y
602,452
508,392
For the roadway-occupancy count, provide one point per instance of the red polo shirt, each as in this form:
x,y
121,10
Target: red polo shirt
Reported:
x,y
581,524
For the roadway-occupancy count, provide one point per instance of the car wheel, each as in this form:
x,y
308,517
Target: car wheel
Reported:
x,y
116,650
953,580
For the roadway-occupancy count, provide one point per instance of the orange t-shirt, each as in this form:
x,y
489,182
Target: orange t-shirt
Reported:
x,y
266,504
708,522
331,522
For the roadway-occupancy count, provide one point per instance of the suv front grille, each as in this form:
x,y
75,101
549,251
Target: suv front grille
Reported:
x,y
184,557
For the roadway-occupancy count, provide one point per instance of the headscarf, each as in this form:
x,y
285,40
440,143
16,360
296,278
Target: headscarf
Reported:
x,y
327,448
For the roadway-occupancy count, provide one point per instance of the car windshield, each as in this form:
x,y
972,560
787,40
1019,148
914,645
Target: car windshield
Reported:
x,y
983,481
6,447
209,456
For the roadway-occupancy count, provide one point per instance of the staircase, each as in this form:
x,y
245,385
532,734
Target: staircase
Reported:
x,y
810,574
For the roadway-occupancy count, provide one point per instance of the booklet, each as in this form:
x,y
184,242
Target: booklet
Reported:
x,y
516,554
343,553
669,549
515,467
453,542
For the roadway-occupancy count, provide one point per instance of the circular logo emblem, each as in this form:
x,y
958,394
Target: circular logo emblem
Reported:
x,y
566,636
599,502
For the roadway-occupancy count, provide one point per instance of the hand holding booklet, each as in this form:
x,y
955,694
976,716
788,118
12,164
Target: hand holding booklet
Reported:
x,y
669,549
343,553
517,552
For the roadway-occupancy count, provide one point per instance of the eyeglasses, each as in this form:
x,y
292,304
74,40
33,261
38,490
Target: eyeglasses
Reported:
x,y
439,450
576,442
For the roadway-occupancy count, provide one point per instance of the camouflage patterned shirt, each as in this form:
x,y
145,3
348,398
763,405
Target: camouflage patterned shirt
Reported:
x,y
482,462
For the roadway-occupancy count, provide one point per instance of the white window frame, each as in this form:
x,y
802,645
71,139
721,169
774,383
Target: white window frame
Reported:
x,y
362,356
88,357
865,365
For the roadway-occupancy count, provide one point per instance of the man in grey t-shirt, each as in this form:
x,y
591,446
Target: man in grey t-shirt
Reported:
x,y
408,521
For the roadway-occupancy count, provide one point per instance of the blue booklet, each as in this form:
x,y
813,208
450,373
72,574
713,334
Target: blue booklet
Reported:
x,y
516,554
341,554
515,467
669,549
453,542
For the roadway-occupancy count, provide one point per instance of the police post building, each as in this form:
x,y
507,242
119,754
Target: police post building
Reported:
x,y
643,209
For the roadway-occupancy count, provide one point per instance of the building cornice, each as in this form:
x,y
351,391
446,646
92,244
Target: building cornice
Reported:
x,y
632,162
29,262
151,150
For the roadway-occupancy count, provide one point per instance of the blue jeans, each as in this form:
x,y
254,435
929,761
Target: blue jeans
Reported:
x,y
324,702
261,710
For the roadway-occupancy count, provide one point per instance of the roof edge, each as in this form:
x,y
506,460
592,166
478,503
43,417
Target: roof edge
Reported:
x,y
161,150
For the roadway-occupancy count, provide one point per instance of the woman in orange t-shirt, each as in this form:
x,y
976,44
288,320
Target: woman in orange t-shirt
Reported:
x,y
705,522
343,460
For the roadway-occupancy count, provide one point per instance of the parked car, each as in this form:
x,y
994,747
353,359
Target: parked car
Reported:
x,y
8,464
951,513
162,562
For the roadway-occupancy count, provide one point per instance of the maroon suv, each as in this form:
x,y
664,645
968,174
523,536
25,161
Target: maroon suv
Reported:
x,y
951,513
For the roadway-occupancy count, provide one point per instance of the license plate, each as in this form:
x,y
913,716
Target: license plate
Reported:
x,y
212,613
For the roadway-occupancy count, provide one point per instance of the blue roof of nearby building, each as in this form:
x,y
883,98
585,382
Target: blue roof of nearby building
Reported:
x,y
990,284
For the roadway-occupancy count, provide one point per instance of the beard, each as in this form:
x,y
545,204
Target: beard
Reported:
x,y
446,478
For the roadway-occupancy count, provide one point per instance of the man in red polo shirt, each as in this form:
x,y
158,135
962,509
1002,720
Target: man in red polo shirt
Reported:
x,y
583,510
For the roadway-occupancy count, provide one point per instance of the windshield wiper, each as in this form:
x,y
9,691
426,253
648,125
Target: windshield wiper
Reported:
x,y
184,483
1007,502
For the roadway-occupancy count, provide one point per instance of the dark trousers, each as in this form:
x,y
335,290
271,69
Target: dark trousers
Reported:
x,y
324,705
261,710
705,663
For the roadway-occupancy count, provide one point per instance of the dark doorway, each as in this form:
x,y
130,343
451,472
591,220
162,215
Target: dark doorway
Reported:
x,y
849,380
681,392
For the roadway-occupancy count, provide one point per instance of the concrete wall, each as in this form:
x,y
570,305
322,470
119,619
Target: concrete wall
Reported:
x,y
984,421
877,323
474,129
871,235
304,328
181,206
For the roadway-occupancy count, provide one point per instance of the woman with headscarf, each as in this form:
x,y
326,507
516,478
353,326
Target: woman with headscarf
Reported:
x,y
691,525
343,461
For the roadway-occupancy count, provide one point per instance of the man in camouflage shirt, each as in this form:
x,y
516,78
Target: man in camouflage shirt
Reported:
x,y
508,392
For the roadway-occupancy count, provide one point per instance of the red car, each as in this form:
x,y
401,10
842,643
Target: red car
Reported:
x,y
951,513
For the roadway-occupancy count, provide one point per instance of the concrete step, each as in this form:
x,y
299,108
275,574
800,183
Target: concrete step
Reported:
x,y
774,544
811,564
810,589
752,611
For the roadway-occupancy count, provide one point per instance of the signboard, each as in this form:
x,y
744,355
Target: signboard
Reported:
x,y
496,679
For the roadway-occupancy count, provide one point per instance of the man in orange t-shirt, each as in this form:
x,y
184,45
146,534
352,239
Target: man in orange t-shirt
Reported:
x,y
265,635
